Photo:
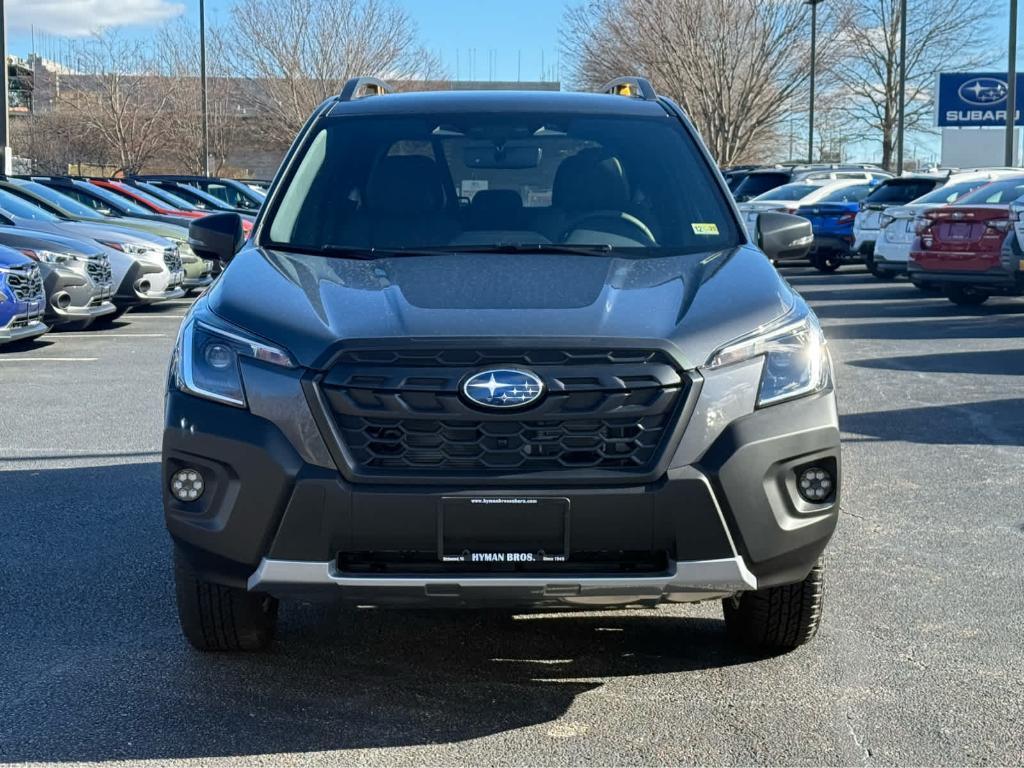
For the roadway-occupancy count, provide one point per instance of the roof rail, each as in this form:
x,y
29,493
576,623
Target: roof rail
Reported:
x,y
370,86
637,87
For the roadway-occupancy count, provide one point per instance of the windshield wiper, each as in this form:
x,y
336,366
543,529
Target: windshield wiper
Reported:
x,y
353,252
597,249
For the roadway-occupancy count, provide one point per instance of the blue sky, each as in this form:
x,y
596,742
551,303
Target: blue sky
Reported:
x,y
478,39
497,36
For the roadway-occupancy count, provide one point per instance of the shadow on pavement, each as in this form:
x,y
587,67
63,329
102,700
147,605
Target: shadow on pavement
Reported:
x,y
997,326
996,362
990,422
96,668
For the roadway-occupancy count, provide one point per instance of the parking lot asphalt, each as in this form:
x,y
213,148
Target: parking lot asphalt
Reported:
x,y
918,660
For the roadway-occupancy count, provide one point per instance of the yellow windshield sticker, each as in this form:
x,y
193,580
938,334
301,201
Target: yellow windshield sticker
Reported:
x,y
705,229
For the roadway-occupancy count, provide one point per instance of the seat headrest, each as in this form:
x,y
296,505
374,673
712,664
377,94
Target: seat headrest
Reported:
x,y
406,183
590,180
496,209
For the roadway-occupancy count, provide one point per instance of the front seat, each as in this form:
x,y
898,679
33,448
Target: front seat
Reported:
x,y
405,204
592,180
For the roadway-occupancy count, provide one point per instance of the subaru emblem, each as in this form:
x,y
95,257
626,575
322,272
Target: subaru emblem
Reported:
x,y
503,388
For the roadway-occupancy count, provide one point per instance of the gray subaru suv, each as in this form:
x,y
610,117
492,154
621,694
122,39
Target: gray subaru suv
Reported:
x,y
499,349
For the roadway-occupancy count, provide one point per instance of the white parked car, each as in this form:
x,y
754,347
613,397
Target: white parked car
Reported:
x,y
897,223
899,190
789,197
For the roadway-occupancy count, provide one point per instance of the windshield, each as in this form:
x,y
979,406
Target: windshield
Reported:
x,y
851,194
900,191
99,198
60,201
788,192
758,183
471,181
17,206
1005,191
167,198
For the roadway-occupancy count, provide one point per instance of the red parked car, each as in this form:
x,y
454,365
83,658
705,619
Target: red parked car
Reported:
x,y
154,204
967,249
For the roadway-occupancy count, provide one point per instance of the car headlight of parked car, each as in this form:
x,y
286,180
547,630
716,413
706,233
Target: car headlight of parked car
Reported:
x,y
206,360
142,250
796,359
50,257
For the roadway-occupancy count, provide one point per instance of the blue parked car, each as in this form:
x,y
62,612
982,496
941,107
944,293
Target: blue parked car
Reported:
x,y
832,220
22,301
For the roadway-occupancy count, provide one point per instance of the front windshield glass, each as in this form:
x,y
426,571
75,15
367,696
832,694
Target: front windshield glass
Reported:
x,y
97,196
470,181
16,206
788,192
997,192
59,200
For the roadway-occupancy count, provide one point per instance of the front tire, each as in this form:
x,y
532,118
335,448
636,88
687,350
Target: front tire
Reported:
x,y
777,618
215,617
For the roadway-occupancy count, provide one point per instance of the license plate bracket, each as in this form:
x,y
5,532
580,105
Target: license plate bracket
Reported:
x,y
503,530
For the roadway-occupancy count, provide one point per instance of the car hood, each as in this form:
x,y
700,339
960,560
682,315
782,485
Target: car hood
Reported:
x,y
18,237
178,232
309,304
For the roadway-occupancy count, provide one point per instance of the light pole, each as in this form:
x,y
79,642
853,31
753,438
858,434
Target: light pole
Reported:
x,y
202,88
814,53
903,87
1011,86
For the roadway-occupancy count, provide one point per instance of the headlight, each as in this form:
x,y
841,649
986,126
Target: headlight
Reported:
x,y
205,361
50,257
135,249
796,360
185,251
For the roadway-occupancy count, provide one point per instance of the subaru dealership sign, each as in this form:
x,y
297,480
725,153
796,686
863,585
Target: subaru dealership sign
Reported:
x,y
975,99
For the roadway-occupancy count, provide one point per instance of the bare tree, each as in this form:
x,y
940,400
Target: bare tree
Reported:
x,y
58,143
941,35
733,65
295,53
120,98
177,51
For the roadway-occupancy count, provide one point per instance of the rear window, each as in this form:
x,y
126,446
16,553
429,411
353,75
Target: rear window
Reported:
x,y
851,194
997,192
758,183
467,180
789,192
901,191
950,193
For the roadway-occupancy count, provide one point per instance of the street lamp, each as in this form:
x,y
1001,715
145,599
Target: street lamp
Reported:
x,y
202,87
901,115
1011,86
814,52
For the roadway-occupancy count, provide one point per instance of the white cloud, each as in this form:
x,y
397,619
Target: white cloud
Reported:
x,y
77,18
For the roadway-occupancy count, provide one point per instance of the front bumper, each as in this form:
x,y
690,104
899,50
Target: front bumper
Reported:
x,y
21,328
277,515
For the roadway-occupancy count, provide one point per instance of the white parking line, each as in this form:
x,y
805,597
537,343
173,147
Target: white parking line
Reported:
x,y
130,316
101,335
48,359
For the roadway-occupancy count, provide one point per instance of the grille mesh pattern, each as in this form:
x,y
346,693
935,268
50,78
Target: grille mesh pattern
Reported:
x,y
98,268
26,283
172,259
401,412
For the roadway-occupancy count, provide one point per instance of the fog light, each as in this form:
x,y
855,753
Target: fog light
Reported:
x,y
815,484
187,484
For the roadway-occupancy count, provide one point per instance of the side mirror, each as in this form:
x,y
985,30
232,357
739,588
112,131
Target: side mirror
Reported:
x,y
217,236
783,236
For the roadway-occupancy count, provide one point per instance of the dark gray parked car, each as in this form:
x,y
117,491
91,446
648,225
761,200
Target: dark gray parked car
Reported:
x,y
520,363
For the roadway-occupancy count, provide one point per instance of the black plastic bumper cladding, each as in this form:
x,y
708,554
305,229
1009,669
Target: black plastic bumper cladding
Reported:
x,y
262,500
754,464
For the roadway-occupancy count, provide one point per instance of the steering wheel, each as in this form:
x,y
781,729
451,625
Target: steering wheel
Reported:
x,y
614,222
